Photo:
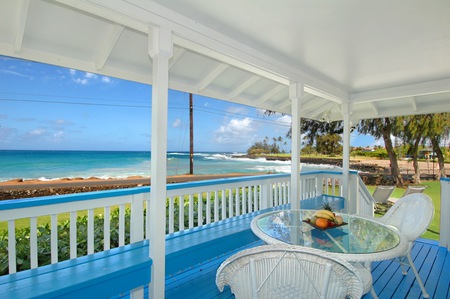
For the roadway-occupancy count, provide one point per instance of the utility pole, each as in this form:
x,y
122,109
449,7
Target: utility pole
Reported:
x,y
191,135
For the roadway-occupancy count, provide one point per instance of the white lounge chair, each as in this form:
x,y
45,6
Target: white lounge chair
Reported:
x,y
288,271
411,215
382,193
408,191
413,189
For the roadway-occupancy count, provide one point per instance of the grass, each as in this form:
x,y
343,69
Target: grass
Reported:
x,y
433,189
20,223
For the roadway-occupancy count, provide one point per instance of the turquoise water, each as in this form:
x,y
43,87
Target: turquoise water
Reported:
x,y
51,165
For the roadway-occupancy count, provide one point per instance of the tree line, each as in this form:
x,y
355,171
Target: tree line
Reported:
x,y
412,133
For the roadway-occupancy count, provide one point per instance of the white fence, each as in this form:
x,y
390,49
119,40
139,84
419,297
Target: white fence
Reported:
x,y
117,217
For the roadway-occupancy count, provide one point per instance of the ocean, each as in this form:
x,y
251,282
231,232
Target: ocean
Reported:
x,y
53,165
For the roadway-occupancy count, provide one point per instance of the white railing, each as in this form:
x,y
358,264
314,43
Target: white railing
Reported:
x,y
122,212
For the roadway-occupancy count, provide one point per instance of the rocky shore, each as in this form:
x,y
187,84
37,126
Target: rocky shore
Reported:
x,y
17,189
373,172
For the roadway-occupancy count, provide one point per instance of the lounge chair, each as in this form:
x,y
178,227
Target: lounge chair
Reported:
x,y
382,193
413,189
408,191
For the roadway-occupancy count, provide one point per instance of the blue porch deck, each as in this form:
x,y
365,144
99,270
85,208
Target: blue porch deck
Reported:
x,y
431,260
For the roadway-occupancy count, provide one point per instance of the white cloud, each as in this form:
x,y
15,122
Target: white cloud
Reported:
x,y
236,131
106,79
60,122
36,132
284,120
176,123
8,72
81,81
72,72
90,75
58,135
237,110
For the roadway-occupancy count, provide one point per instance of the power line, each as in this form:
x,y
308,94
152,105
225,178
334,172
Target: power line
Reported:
x,y
75,103
198,108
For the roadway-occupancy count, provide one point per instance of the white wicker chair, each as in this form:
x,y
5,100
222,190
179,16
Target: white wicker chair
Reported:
x,y
288,271
411,215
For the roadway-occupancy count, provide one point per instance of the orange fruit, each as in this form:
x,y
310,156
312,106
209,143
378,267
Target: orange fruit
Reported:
x,y
322,222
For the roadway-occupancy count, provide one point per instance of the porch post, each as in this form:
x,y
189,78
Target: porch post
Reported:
x,y
160,49
444,239
295,94
346,158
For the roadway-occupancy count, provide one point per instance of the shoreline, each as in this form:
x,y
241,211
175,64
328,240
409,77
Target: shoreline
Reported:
x,y
372,171
18,188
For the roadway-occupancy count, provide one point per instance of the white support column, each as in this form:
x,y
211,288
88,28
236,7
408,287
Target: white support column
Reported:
x,y
350,206
444,239
160,49
295,95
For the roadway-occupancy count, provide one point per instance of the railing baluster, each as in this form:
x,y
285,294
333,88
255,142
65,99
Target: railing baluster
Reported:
x,y
237,200
230,203
181,212
107,228
216,206
200,209
171,215
90,231
121,225
54,238
244,200
33,243
255,198
224,207
12,246
208,207
191,211
250,199
73,234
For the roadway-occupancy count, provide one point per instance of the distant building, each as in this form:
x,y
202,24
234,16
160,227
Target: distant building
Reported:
x,y
426,154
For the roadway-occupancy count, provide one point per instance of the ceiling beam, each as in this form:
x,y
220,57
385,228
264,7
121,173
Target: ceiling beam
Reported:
x,y
177,54
246,84
283,105
271,93
108,45
323,109
213,75
414,103
193,35
374,107
20,25
403,91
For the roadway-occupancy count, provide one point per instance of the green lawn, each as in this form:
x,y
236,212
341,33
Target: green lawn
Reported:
x,y
433,190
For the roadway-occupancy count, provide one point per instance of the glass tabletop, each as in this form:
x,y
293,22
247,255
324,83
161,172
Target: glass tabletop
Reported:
x,y
358,236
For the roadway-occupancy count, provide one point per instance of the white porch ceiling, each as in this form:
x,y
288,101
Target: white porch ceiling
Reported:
x,y
385,58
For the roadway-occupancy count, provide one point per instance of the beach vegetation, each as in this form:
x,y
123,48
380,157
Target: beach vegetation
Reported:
x,y
265,147
44,240
230,198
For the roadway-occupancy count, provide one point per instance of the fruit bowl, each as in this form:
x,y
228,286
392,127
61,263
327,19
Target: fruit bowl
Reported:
x,y
328,227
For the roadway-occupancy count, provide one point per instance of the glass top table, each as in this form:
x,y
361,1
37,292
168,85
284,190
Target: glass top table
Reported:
x,y
359,240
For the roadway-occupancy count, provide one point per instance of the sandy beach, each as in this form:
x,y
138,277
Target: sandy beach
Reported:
x,y
18,188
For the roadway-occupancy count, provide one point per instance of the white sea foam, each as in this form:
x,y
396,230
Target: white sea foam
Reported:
x,y
218,157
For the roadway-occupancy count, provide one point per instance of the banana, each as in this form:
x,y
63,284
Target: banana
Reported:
x,y
325,214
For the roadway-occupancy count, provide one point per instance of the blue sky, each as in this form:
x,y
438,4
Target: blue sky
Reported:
x,y
54,108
